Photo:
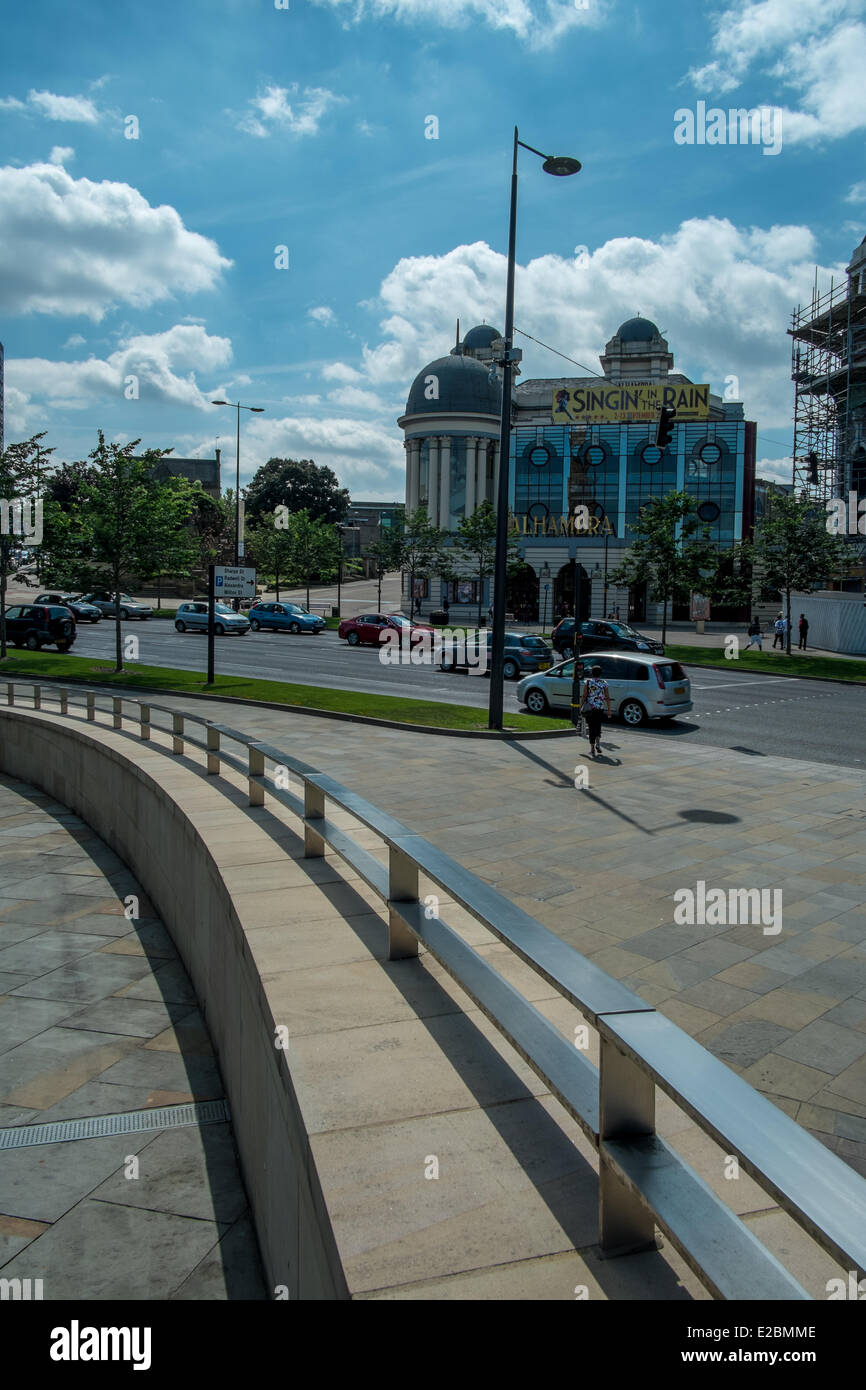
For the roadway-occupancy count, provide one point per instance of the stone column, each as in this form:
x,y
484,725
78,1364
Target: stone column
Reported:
x,y
414,463
444,481
469,505
433,480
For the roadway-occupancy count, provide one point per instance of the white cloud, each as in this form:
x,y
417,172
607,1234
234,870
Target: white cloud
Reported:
x,y
815,47
856,193
356,398
273,112
75,340
340,371
155,360
363,127
61,154
323,315
51,225
778,470
54,108
541,23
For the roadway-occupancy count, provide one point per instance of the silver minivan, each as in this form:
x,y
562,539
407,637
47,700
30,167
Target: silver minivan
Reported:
x,y
642,687
193,617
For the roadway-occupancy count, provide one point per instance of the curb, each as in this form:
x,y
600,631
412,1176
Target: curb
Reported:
x,y
517,735
779,675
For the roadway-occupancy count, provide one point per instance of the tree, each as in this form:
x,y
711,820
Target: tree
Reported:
x,y
22,476
672,552
475,546
420,549
300,485
126,513
793,550
213,529
314,549
386,552
270,549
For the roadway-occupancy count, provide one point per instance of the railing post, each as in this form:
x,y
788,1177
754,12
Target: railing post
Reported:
x,y
37,697
91,706
118,711
144,716
256,775
626,1110
402,888
213,750
177,733
64,702
10,693
314,809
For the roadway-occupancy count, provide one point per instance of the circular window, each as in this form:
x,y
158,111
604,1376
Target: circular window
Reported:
x,y
538,512
651,454
596,509
539,456
709,452
594,456
709,511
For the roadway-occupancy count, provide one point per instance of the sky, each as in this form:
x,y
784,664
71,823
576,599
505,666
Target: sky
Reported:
x,y
289,203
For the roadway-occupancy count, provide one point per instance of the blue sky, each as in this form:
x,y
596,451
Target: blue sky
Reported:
x,y
147,265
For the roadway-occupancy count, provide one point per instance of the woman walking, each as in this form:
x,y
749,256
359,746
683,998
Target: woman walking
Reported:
x,y
596,699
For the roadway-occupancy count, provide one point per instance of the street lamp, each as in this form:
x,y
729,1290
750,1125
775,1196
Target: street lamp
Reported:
x,y
544,576
560,166
607,536
257,410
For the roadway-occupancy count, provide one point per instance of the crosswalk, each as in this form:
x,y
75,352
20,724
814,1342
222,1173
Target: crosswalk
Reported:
x,y
781,700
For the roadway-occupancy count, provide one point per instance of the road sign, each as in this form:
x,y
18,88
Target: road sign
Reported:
x,y
234,581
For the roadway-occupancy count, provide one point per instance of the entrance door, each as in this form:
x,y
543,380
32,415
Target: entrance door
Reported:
x,y
564,592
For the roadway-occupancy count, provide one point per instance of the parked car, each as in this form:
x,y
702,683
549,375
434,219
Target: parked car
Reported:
x,y
40,625
129,607
641,687
284,617
193,616
603,637
523,652
369,629
82,612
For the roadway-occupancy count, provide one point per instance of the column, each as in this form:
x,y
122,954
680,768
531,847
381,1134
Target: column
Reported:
x,y
407,446
481,472
414,474
433,480
471,446
444,481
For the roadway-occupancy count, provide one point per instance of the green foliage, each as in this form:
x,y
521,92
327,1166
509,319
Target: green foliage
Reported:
x,y
792,549
299,485
474,548
672,553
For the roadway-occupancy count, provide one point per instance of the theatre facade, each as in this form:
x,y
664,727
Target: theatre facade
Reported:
x,y
576,442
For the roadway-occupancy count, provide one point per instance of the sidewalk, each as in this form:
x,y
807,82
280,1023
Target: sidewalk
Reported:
x,y
600,867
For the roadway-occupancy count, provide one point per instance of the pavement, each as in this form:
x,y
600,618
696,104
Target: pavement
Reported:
x,y
600,866
97,1019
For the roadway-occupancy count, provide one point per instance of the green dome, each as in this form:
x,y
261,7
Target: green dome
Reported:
x,y
463,387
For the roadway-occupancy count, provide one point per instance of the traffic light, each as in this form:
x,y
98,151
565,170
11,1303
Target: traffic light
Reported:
x,y
813,467
665,431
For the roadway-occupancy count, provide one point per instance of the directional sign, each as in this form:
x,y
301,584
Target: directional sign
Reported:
x,y
234,581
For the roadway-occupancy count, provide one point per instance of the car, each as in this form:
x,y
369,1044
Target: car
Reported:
x,y
600,636
129,607
523,652
82,612
642,687
40,625
284,617
369,629
193,617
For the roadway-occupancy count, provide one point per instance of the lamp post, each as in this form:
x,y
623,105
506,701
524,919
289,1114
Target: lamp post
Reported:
x,y
560,167
607,536
544,576
257,410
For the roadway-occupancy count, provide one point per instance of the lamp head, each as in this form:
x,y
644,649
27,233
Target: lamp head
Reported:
x,y
219,402
561,165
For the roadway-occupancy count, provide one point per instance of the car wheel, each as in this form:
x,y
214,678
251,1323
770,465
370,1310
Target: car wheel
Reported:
x,y
123,613
179,626
219,630
536,702
294,628
32,643
566,652
510,669
63,646
255,624
633,713
353,639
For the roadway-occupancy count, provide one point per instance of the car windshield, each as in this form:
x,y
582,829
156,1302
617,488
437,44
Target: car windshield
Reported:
x,y
396,618
624,630
533,642
223,608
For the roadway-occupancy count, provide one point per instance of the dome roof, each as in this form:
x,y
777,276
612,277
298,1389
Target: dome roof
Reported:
x,y
481,337
637,330
464,385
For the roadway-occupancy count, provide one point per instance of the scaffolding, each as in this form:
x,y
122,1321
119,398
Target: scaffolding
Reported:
x,y
828,367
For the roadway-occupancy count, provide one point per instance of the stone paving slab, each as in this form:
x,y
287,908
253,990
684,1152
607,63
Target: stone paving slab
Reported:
x,y
69,1214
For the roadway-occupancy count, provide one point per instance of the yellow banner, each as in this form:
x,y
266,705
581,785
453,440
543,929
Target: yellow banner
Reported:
x,y
629,400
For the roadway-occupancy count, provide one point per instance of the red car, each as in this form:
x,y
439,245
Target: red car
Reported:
x,y
368,629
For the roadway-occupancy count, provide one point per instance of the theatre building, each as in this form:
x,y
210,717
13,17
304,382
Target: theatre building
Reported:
x,y
575,442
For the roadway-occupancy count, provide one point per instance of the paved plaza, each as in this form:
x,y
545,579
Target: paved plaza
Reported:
x,y
97,1018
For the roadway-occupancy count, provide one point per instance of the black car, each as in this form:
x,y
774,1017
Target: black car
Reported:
x,y
602,637
34,625
523,652
81,611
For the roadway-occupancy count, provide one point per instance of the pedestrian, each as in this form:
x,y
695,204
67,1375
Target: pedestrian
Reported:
x,y
779,631
803,626
596,699
755,638
445,607
490,615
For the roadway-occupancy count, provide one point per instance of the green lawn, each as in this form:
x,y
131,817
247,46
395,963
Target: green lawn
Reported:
x,y
774,663
433,714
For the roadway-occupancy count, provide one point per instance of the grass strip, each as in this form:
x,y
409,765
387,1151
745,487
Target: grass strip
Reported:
x,y
771,663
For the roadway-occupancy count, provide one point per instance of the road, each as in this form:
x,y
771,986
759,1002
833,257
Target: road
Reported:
x,y
752,713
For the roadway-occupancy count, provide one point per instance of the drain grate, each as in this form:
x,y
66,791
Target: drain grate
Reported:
x,y
207,1112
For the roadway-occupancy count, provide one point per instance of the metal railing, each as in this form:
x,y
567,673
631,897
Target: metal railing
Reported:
x,y
643,1182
